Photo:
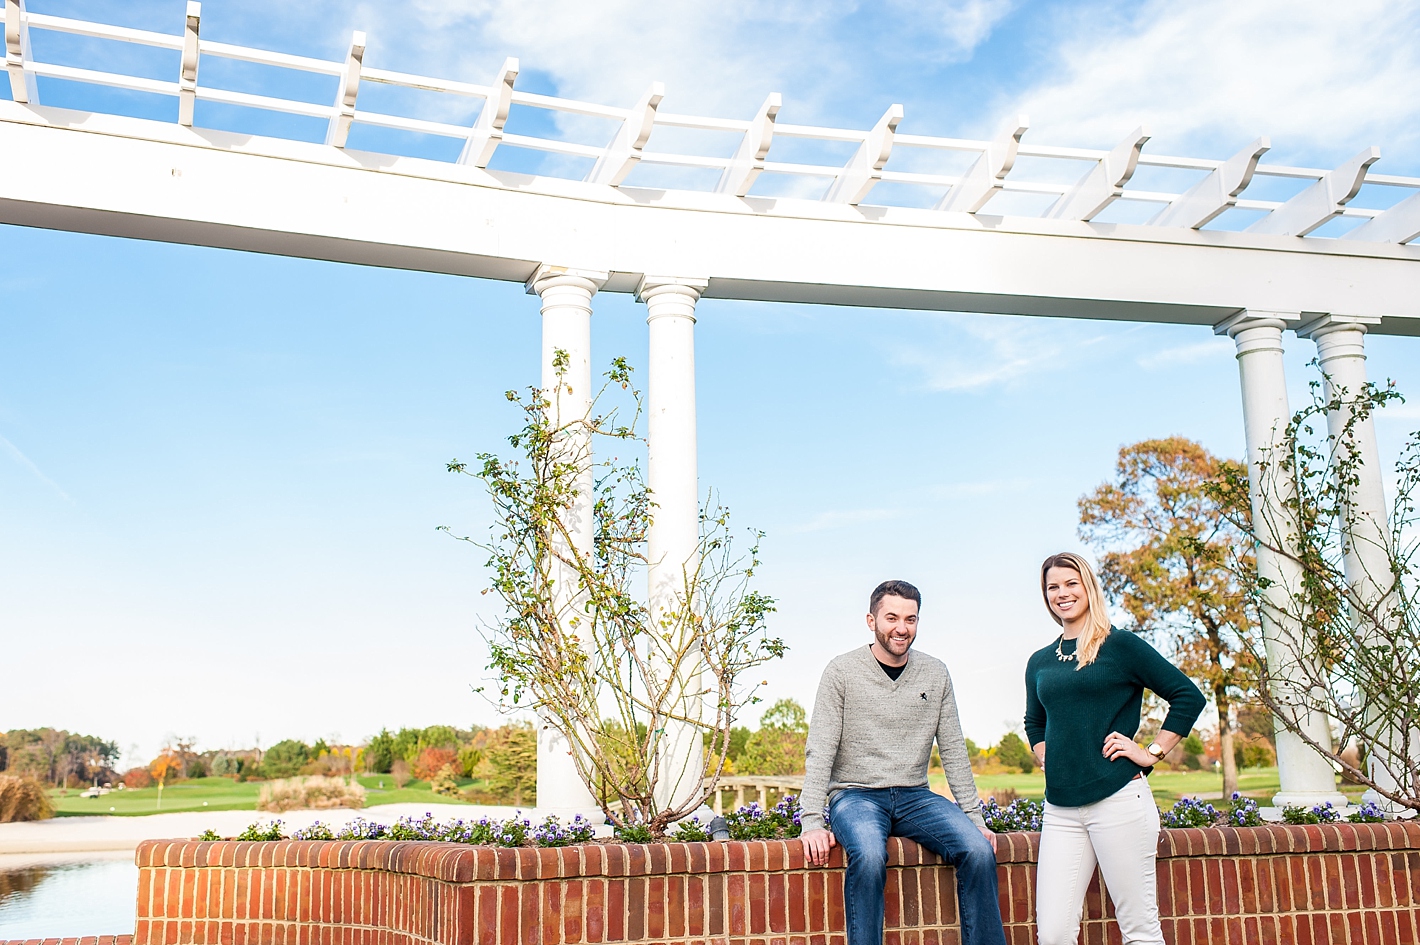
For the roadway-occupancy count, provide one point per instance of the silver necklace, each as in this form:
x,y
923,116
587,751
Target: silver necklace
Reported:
x,y
1061,656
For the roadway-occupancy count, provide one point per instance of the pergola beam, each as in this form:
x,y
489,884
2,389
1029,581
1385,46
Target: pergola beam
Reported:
x,y
23,87
1321,202
865,168
187,69
1105,182
624,152
1399,224
1216,192
986,177
748,162
343,113
487,131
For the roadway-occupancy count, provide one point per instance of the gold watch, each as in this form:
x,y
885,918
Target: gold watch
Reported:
x,y
1156,751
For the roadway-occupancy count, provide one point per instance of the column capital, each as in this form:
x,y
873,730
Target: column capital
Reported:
x,y
1248,319
650,286
546,275
1317,324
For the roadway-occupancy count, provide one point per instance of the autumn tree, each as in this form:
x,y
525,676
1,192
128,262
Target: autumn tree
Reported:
x,y
167,765
1168,548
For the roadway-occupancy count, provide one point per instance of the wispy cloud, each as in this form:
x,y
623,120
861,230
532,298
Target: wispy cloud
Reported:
x,y
1188,354
28,463
1216,71
839,518
977,352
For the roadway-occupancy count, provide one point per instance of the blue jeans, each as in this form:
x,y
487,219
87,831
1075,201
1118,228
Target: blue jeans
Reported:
x,y
863,819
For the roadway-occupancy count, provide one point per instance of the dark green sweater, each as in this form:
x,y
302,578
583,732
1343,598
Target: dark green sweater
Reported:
x,y
1074,710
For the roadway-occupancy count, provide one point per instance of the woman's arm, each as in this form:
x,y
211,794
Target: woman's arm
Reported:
x,y
1167,682
1035,719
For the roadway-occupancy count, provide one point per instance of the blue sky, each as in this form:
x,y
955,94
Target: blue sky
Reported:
x,y
220,473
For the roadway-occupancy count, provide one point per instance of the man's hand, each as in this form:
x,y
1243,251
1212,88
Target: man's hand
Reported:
x,y
817,843
990,836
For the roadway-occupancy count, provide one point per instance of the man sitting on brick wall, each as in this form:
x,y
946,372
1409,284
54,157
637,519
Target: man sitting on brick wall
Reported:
x,y
870,741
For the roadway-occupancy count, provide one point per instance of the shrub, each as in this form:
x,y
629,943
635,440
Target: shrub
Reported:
x,y
23,798
1190,812
1320,814
310,793
137,778
1254,754
444,782
399,772
512,754
468,761
1013,753
209,834
1020,814
433,760
285,758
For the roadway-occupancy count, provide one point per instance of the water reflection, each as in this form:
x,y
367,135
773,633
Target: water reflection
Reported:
x,y
49,896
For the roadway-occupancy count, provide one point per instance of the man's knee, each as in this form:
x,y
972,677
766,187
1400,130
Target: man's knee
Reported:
x,y
976,856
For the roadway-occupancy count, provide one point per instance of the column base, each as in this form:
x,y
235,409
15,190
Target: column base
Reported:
x,y
1308,799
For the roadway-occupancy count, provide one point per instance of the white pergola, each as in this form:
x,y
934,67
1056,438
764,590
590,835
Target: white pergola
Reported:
x,y
569,237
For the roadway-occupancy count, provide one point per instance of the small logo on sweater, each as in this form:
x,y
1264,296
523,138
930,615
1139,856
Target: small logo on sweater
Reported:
x,y
924,697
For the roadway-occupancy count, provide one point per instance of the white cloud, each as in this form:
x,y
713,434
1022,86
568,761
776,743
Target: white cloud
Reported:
x,y
28,463
1321,78
838,518
974,352
1189,354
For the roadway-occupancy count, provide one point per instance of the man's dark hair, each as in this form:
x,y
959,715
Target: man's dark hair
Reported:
x,y
893,589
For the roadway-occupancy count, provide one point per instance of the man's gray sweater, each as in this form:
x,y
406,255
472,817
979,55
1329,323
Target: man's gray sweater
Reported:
x,y
870,731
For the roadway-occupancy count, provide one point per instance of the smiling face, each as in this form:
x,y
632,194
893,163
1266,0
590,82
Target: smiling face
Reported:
x,y
894,626
1065,593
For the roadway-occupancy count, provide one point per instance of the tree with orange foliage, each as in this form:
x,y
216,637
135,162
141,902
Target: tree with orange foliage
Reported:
x,y
1165,545
166,765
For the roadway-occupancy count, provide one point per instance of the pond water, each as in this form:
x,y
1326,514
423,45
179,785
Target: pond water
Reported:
x,y
54,896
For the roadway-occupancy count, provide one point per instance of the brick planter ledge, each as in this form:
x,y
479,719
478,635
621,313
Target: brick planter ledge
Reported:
x,y
1339,883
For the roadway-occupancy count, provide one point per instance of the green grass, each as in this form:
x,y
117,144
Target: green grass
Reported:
x,y
197,794
226,794
1168,786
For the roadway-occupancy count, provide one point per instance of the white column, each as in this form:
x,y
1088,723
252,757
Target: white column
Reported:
x,y
567,327
672,476
1340,344
1306,777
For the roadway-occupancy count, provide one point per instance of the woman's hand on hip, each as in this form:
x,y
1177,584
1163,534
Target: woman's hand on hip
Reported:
x,y
1118,746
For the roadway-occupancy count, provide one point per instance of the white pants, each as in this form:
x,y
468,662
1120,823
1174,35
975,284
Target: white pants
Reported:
x,y
1121,834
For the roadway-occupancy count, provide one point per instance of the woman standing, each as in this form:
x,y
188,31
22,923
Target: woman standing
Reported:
x,y
1084,694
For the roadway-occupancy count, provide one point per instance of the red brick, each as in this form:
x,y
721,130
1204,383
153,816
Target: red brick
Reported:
x,y
616,910
695,906
596,911
675,904
818,900
550,913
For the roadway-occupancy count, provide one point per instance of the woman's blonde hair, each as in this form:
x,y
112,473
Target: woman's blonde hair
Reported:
x,y
1089,643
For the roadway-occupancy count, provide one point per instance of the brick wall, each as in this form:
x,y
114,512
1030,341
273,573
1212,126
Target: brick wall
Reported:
x,y
1346,883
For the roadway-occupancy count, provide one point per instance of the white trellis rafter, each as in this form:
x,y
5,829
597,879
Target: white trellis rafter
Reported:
x,y
1323,201
865,168
23,87
624,152
488,128
343,113
748,162
1399,224
187,70
987,177
1215,193
1104,184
